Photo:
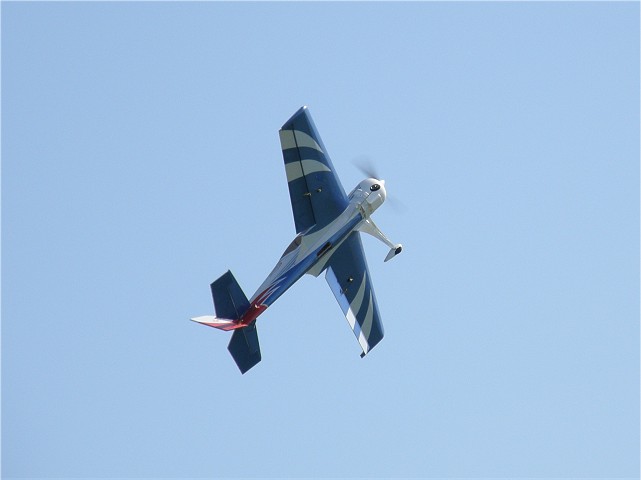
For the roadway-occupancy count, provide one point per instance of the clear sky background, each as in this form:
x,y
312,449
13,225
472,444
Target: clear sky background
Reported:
x,y
141,160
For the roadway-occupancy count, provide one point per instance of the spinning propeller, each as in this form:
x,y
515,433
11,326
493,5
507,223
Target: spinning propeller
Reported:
x,y
366,166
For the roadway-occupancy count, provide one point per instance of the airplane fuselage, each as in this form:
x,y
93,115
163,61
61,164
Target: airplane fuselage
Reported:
x,y
328,224
310,250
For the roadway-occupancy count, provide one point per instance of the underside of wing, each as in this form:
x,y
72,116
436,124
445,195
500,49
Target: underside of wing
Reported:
x,y
315,191
348,277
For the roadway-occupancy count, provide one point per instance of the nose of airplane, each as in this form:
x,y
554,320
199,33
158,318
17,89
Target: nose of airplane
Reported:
x,y
377,193
382,191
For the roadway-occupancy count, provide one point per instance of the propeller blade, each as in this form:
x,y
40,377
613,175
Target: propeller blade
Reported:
x,y
397,205
366,166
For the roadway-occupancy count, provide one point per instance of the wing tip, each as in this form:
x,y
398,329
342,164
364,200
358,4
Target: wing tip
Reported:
x,y
304,110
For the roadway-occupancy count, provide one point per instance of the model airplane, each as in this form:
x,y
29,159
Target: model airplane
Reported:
x,y
328,223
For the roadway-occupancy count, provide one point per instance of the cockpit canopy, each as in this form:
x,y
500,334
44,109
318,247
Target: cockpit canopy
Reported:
x,y
294,245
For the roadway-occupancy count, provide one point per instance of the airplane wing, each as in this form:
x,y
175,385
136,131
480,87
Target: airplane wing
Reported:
x,y
316,193
348,277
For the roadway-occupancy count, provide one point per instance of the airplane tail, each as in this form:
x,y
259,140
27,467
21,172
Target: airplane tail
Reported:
x,y
244,347
231,303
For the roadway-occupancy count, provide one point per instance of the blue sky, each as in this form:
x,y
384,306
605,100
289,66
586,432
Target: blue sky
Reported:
x,y
140,161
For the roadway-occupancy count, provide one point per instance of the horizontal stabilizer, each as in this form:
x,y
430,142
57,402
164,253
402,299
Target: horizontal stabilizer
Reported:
x,y
220,323
229,299
244,347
